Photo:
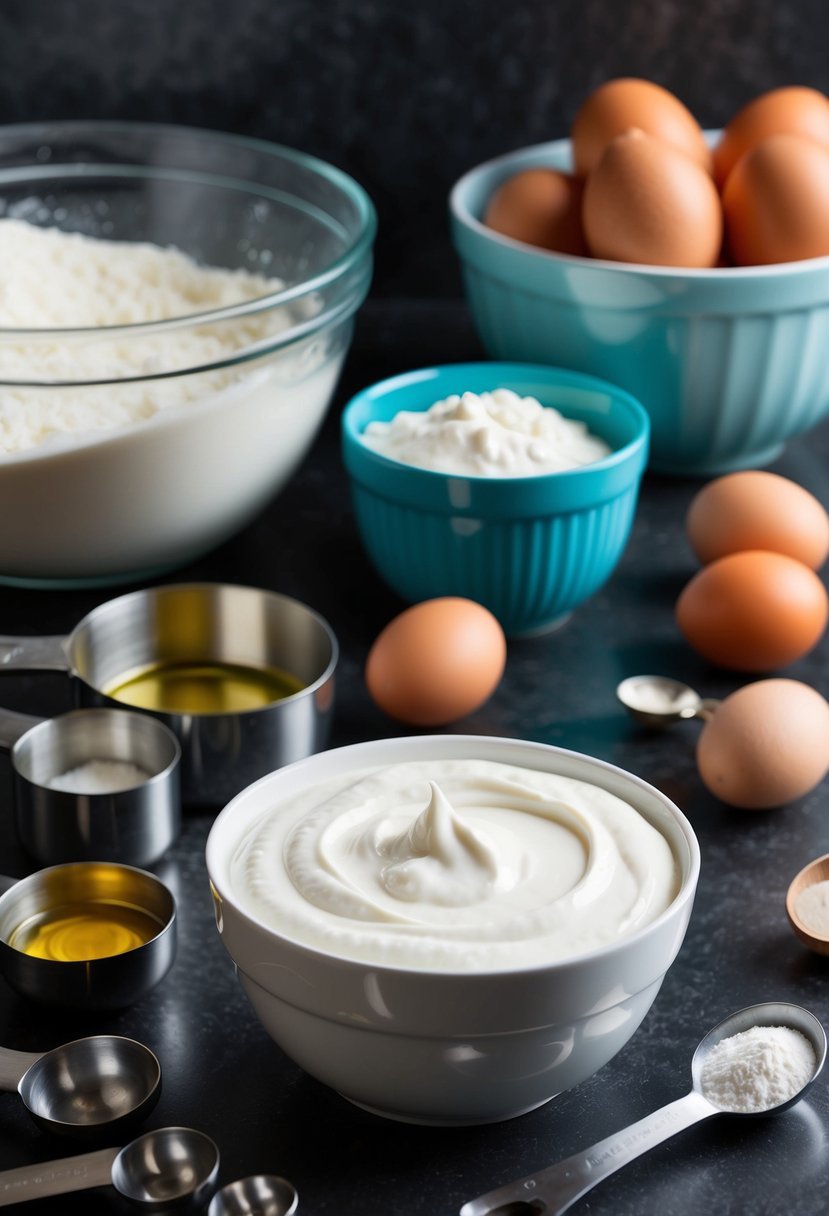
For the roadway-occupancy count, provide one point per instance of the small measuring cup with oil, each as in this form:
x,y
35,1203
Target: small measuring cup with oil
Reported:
x,y
86,935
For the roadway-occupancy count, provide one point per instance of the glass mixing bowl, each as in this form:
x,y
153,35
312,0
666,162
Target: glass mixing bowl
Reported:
x,y
131,448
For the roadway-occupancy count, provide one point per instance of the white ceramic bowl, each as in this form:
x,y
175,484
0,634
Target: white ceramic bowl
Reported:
x,y
206,415
443,1047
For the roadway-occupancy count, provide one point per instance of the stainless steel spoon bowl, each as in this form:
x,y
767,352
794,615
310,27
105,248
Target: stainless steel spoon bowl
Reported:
x,y
173,1168
86,1087
257,1195
554,1190
657,701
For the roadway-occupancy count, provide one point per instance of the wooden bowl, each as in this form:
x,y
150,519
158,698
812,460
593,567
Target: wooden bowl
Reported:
x,y
816,871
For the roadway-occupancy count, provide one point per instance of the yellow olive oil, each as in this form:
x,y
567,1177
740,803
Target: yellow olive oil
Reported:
x,y
82,931
202,687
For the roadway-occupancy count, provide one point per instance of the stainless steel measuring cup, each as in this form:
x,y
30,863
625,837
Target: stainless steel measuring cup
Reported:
x,y
206,623
135,825
171,1168
100,1084
126,919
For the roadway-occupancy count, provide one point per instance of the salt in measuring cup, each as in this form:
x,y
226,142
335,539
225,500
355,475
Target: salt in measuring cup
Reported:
x,y
87,1087
171,1168
56,823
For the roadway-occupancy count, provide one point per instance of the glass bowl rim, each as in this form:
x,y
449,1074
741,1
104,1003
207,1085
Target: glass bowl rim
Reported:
x,y
350,188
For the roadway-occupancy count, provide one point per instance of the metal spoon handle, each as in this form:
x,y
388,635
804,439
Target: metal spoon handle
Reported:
x,y
57,1177
33,653
13,725
14,1065
553,1190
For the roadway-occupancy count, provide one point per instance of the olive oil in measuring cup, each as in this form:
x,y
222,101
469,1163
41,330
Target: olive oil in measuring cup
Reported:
x,y
202,687
80,931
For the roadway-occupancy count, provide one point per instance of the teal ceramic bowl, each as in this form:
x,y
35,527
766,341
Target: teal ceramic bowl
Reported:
x,y
729,363
531,549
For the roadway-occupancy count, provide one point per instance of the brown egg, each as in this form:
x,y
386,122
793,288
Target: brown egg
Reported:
x,y
436,662
539,207
757,510
792,110
753,611
617,105
776,202
646,203
765,745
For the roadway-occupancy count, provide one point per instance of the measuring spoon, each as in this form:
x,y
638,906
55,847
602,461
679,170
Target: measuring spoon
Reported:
x,y
553,1191
258,1195
84,1087
171,1167
658,701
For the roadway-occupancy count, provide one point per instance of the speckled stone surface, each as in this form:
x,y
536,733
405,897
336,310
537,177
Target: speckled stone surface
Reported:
x,y
405,97
222,1073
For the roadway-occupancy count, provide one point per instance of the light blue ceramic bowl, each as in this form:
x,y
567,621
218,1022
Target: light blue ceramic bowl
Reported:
x,y
729,363
529,548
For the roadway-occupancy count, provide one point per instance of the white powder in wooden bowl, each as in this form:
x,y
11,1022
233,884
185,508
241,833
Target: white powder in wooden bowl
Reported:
x,y
757,1069
812,908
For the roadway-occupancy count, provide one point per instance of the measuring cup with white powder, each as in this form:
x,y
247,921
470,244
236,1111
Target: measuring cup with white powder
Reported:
x,y
759,1061
94,785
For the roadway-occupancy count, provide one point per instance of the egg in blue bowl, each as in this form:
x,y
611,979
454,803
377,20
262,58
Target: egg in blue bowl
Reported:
x,y
511,484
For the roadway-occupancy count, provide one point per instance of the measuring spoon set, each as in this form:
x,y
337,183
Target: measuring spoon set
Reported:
x,y
101,1083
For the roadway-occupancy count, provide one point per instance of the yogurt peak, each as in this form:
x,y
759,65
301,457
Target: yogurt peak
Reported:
x,y
439,859
461,865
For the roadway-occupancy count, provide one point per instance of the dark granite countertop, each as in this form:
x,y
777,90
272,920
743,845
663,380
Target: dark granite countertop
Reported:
x,y
221,1071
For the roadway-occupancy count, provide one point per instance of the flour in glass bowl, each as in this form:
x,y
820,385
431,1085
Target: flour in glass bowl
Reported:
x,y
54,280
757,1069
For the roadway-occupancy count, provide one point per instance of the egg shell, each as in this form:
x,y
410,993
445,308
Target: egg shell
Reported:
x,y
754,509
540,207
753,611
436,662
646,203
765,745
791,110
625,102
776,202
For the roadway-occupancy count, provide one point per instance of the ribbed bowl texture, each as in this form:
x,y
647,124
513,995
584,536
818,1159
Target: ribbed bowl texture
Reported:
x,y
728,362
530,549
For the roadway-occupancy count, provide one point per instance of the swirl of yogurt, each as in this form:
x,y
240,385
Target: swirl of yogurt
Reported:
x,y
455,865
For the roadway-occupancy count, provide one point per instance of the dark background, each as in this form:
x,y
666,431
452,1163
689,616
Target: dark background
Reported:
x,y
403,95
406,96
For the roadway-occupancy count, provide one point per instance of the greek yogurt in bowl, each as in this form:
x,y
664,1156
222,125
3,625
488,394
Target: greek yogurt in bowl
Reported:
x,y
463,865
417,946
488,434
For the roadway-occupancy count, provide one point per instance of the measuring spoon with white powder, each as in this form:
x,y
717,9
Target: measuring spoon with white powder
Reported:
x,y
657,701
94,785
759,1061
